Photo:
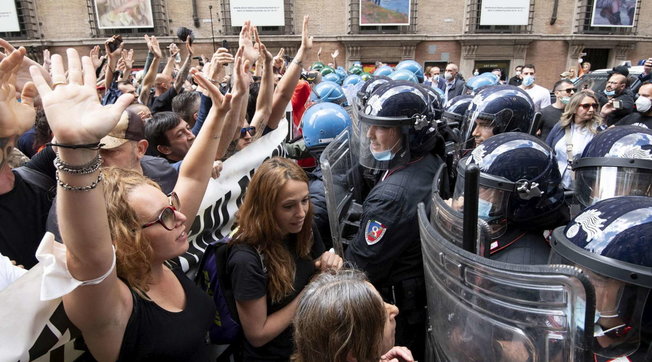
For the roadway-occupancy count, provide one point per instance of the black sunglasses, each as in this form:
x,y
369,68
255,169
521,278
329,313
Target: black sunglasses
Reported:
x,y
167,217
244,130
569,90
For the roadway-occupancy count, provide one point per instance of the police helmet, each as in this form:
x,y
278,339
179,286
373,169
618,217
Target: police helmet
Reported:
x,y
327,91
611,241
318,66
332,77
479,82
404,74
368,88
455,109
327,70
351,80
501,108
400,112
366,76
616,162
385,70
412,66
519,181
356,69
321,123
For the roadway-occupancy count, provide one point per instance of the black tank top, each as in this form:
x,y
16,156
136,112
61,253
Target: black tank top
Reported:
x,y
155,334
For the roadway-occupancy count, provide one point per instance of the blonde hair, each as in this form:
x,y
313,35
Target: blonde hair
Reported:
x,y
339,315
133,250
568,116
257,225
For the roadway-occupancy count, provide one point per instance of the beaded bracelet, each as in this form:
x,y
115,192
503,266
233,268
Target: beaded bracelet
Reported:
x,y
68,187
85,169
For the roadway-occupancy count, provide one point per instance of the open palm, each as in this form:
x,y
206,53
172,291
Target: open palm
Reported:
x,y
15,117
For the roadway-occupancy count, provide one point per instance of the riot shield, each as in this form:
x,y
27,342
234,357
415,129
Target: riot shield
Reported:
x,y
483,310
337,164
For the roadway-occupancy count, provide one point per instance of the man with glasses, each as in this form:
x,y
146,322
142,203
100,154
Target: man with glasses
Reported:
x,y
550,115
616,100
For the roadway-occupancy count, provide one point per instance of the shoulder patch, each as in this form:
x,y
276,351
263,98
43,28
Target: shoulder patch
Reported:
x,y
374,232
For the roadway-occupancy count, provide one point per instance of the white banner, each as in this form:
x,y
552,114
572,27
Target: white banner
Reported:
x,y
116,14
505,12
260,12
8,16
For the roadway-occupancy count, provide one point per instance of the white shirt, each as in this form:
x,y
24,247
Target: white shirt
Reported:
x,y
540,96
8,272
580,137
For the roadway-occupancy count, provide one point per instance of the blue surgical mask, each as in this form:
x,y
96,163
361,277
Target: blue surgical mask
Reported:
x,y
565,100
609,93
386,155
483,209
528,80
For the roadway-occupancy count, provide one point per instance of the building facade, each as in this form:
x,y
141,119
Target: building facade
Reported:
x,y
557,33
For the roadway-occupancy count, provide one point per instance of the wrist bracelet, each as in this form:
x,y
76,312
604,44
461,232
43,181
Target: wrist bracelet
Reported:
x,y
88,168
69,187
90,146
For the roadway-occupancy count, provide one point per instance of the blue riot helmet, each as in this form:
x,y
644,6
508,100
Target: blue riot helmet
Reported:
x,y
436,102
479,82
404,74
495,110
519,182
321,123
395,125
385,70
351,80
616,162
455,109
611,242
356,69
332,77
412,66
327,91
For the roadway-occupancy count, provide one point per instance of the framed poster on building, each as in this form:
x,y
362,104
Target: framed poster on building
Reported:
x,y
8,16
385,12
260,12
116,14
613,13
505,12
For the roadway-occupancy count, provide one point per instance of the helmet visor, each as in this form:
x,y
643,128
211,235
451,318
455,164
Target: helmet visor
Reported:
x,y
380,147
593,184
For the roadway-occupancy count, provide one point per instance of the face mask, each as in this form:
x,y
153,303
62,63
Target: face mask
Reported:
x,y
643,104
386,155
483,209
528,80
476,73
518,72
609,93
448,75
565,100
435,77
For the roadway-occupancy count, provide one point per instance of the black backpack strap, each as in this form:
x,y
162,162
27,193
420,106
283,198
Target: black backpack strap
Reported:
x,y
37,178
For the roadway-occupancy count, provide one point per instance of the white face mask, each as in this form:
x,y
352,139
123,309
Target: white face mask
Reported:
x,y
448,75
476,73
528,80
518,72
643,104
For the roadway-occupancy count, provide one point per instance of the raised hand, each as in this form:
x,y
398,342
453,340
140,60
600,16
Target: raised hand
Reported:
x,y
153,46
46,59
107,49
306,39
74,112
15,117
335,54
262,49
128,57
173,49
95,57
246,35
22,74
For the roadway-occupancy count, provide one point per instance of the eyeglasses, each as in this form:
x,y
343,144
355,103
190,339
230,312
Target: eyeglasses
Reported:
x,y
586,106
167,217
569,90
250,130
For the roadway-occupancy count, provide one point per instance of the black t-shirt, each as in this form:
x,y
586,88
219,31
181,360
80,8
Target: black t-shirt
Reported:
x,y
23,212
549,118
635,119
249,280
163,103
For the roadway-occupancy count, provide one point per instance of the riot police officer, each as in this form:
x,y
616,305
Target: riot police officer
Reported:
x,y
396,136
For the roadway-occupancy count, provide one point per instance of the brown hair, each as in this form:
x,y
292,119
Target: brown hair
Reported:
x,y
133,250
257,225
339,315
568,116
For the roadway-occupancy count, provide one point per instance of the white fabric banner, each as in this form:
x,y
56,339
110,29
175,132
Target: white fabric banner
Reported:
x,y
260,12
505,12
8,16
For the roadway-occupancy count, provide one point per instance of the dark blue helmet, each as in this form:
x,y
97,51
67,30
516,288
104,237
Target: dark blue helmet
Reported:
x,y
321,123
411,66
504,108
455,109
616,162
611,241
327,91
384,70
368,88
519,178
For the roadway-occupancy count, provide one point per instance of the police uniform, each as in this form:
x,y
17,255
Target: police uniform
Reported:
x,y
387,246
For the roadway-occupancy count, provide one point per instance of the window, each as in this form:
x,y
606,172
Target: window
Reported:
x,y
288,29
591,15
159,15
474,11
26,20
356,28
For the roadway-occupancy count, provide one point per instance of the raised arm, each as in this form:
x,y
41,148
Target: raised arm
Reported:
x,y
266,91
76,118
150,76
15,117
128,60
183,73
169,66
23,73
113,58
285,88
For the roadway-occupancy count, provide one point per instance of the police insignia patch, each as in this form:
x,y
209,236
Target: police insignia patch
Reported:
x,y
374,232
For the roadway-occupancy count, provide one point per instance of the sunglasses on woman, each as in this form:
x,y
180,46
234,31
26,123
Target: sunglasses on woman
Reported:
x,y
245,130
167,217
586,106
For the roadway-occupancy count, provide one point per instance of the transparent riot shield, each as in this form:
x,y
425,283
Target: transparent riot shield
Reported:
x,y
483,310
338,164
